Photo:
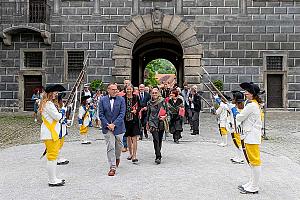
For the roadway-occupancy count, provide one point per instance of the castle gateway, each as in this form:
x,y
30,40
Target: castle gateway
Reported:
x,y
46,41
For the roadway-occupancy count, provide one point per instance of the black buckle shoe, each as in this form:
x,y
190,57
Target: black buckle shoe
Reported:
x,y
248,192
157,161
240,187
63,163
62,183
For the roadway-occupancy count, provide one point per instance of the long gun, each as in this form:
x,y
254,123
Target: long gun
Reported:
x,y
75,88
214,87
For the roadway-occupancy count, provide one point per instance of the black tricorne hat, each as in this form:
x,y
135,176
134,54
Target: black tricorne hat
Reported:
x,y
238,96
61,95
251,88
55,88
83,98
228,98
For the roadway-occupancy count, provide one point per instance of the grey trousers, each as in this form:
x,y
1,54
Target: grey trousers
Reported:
x,y
114,145
195,121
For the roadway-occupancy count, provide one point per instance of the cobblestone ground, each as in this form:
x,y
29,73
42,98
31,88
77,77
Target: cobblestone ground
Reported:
x,y
282,129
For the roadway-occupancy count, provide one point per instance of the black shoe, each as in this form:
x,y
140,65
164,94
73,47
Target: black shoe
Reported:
x,y
193,133
176,141
248,192
157,161
63,163
237,162
135,161
240,187
62,183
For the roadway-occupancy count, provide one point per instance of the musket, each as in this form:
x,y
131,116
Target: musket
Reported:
x,y
76,86
214,87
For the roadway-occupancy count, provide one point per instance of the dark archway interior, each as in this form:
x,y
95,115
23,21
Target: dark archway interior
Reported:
x,y
155,45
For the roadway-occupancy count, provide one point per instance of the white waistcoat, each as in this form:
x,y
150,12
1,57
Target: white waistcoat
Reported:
x,y
222,113
87,119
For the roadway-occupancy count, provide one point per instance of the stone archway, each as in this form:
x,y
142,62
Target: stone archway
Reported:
x,y
157,22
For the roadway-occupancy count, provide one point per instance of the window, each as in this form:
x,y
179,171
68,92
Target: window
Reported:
x,y
75,61
38,10
274,63
33,59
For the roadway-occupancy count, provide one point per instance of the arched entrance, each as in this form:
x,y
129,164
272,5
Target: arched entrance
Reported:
x,y
155,45
152,36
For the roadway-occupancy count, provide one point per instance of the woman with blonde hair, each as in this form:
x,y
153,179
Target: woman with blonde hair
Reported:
x,y
132,123
50,130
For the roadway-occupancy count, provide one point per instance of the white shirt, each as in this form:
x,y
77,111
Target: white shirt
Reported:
x,y
112,101
192,104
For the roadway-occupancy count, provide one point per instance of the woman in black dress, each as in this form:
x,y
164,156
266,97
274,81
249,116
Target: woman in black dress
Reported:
x,y
174,105
132,123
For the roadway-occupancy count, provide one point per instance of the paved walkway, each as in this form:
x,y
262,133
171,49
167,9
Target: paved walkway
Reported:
x,y
193,169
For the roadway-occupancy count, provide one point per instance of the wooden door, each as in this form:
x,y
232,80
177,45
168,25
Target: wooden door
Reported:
x,y
30,83
275,91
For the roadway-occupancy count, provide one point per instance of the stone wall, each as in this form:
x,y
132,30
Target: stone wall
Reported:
x,y
233,43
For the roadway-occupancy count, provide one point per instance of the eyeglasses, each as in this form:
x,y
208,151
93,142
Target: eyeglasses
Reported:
x,y
154,92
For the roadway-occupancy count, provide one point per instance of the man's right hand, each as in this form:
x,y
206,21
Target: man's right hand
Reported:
x,y
147,126
111,127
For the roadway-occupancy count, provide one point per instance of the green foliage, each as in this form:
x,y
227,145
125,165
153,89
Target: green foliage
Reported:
x,y
161,66
218,84
97,84
151,80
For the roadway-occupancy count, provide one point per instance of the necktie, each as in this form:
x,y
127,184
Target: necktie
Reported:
x,y
142,96
110,98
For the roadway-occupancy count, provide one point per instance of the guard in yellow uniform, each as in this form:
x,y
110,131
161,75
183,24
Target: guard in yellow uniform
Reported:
x,y
50,130
223,117
238,101
63,131
84,120
250,121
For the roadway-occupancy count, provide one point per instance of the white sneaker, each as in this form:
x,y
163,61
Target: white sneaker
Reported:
x,y
35,120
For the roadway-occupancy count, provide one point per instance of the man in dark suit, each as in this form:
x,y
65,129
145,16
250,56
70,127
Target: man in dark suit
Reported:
x,y
165,91
195,106
144,98
111,113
